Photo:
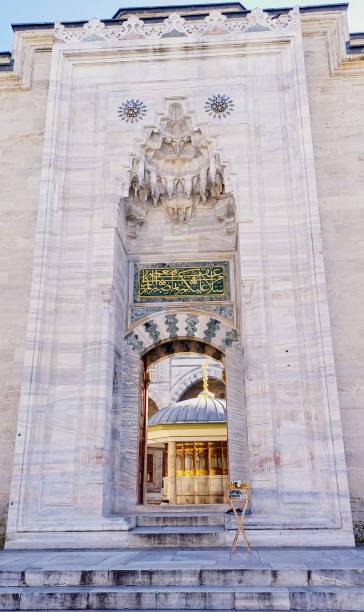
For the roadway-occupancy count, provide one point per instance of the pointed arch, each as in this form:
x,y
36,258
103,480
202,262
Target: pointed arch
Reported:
x,y
186,381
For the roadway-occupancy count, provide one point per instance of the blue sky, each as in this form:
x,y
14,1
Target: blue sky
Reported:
x,y
28,11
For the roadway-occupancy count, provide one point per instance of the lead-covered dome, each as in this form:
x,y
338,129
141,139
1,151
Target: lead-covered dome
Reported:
x,y
194,410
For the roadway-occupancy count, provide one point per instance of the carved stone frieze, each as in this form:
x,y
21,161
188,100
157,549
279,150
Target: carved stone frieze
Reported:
x,y
224,310
178,169
176,325
214,23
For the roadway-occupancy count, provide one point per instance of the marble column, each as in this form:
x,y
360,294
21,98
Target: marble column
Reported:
x,y
172,472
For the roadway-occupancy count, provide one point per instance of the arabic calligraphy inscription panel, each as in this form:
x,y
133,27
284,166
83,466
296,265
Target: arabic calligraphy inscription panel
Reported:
x,y
182,281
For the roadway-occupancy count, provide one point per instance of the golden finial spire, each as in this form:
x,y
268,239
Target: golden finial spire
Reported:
x,y
205,392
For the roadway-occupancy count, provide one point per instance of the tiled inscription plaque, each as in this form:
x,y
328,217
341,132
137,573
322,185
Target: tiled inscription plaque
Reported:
x,y
182,281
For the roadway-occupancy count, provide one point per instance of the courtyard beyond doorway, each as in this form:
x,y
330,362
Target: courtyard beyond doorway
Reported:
x,y
186,458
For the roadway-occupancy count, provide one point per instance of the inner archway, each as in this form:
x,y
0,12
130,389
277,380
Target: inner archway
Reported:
x,y
216,386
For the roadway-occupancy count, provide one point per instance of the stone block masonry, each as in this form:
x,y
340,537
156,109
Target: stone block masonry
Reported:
x,y
22,122
288,150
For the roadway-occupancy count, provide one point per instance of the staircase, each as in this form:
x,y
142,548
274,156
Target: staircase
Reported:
x,y
178,530
182,578
183,588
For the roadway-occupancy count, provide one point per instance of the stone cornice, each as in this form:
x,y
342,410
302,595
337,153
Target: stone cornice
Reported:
x,y
215,23
26,44
17,73
334,27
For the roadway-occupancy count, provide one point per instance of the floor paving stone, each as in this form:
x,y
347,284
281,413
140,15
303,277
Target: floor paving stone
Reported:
x,y
275,558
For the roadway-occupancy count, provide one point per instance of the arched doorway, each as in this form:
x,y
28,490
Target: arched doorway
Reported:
x,y
158,336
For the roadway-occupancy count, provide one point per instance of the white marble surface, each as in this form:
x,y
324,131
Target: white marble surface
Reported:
x,y
76,457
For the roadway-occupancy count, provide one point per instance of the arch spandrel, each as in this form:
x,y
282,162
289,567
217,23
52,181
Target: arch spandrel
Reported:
x,y
190,325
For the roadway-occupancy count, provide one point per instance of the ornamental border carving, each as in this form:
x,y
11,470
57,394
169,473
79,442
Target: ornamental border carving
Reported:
x,y
166,326
214,23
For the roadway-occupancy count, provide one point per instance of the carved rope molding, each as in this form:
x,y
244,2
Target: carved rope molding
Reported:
x,y
214,23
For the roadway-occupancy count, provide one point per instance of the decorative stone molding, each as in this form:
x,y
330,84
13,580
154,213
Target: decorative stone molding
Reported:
x,y
219,106
172,325
231,337
177,169
133,340
141,312
212,327
226,310
26,45
132,110
191,326
333,26
214,23
152,329
162,327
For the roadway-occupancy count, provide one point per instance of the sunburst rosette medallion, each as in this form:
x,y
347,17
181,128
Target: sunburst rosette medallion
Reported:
x,y
219,106
132,110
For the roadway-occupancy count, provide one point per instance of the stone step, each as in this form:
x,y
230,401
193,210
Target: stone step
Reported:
x,y
178,536
185,509
159,519
184,576
172,598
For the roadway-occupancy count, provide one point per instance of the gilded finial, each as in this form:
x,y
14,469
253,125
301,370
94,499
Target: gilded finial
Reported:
x,y
205,392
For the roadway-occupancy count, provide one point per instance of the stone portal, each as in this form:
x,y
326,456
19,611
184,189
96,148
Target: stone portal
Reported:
x,y
178,212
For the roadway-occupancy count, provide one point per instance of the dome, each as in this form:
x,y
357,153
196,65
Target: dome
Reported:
x,y
194,410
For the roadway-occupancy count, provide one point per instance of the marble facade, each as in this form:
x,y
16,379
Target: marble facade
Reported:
x,y
76,453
